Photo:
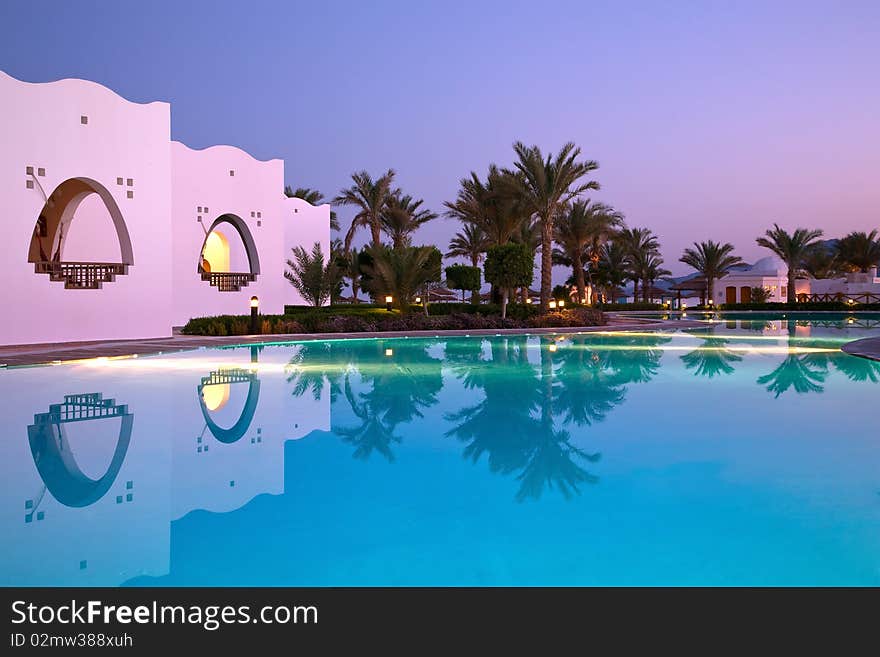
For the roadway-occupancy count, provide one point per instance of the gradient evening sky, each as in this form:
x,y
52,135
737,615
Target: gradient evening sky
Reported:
x,y
708,119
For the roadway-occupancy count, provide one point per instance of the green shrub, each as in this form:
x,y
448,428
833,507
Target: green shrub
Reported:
x,y
318,321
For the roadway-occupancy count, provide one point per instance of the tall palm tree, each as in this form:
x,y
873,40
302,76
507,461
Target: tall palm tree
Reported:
x,y
859,251
369,197
470,242
491,206
612,266
821,262
792,249
641,247
307,194
580,232
352,271
712,259
546,185
313,197
402,216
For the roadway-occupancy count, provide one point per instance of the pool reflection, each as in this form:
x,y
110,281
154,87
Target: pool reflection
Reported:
x,y
222,447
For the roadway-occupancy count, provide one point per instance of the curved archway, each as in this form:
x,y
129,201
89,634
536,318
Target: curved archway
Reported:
x,y
217,245
223,378
54,222
56,463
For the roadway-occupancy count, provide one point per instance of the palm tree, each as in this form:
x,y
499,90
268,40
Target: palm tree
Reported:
x,y
859,251
642,249
352,271
821,262
652,270
369,197
491,206
402,216
307,194
313,197
713,260
470,242
545,187
580,232
792,249
612,266
400,273
314,280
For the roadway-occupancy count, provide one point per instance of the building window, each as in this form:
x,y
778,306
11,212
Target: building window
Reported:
x,y
84,120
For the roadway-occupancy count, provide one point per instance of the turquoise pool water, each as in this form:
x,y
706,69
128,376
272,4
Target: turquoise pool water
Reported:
x,y
741,452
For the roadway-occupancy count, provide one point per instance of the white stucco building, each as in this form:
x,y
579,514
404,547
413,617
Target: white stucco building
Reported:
x,y
113,230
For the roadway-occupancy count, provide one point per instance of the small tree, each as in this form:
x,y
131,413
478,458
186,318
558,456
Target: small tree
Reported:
x,y
509,266
402,273
761,294
314,280
462,277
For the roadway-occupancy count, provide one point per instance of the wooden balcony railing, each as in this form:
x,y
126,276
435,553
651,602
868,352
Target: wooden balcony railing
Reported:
x,y
81,275
839,297
228,281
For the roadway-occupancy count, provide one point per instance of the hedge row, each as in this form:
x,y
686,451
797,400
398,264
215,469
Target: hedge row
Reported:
x,y
322,322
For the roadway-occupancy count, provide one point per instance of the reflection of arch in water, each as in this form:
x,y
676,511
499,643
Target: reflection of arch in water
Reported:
x,y
226,377
51,451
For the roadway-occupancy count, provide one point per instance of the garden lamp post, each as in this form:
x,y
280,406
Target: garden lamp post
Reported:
x,y
388,301
255,322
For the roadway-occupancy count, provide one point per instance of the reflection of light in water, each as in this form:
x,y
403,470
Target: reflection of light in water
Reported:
x,y
215,396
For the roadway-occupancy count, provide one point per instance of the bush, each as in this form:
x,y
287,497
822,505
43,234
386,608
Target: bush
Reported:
x,y
569,318
514,310
323,322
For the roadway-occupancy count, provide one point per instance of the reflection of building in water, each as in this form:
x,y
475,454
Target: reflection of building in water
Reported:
x,y
86,481
229,446
94,480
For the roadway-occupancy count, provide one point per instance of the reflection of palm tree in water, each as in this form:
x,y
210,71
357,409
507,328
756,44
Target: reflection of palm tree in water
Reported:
x,y
514,425
711,358
803,373
398,386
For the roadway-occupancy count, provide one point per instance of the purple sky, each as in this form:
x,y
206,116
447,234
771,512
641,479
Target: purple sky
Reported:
x,y
709,120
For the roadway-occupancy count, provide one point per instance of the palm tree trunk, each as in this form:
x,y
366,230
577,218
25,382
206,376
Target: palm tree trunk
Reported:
x,y
792,294
710,289
579,276
546,261
635,290
376,231
504,303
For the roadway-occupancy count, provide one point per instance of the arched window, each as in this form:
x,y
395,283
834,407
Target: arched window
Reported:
x,y
228,259
80,237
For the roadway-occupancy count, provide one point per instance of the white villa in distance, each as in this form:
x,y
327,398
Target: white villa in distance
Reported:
x,y
114,231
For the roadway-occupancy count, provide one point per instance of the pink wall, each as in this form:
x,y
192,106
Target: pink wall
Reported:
x,y
42,128
161,189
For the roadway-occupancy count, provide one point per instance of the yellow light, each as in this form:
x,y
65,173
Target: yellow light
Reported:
x,y
552,347
562,303
216,396
528,300
418,299
389,299
255,302
552,305
389,352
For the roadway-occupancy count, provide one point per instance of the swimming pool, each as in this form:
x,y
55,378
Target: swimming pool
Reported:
x,y
742,452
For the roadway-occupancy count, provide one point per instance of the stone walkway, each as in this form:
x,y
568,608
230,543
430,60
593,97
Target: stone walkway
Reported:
x,y
44,354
